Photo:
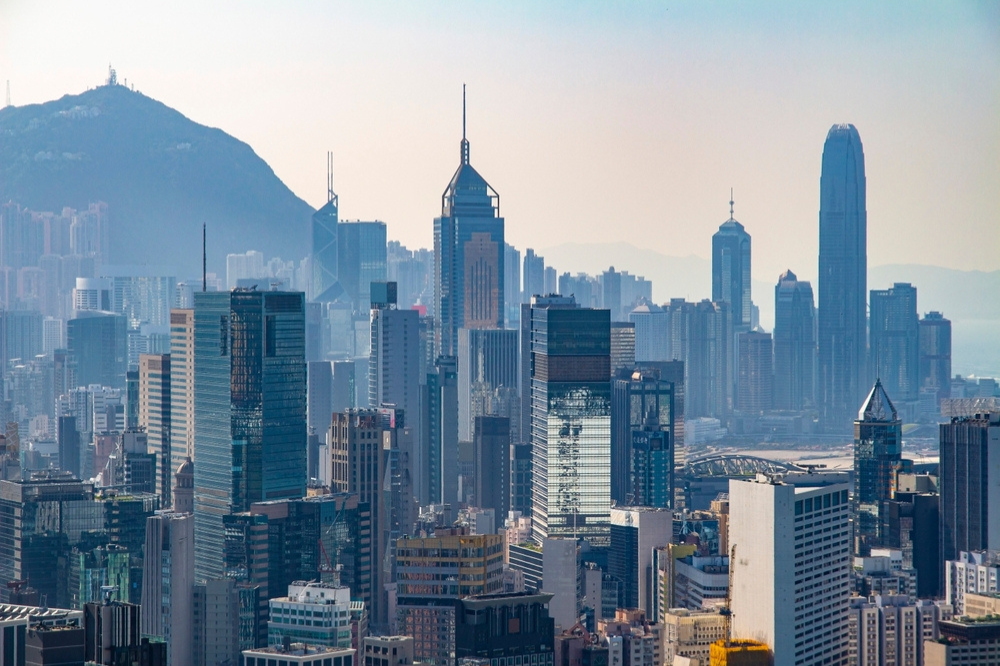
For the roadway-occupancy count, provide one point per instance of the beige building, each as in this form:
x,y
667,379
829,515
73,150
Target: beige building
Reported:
x,y
689,634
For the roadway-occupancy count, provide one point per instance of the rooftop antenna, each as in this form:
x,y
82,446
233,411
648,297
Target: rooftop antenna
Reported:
x,y
465,142
204,263
730,203
330,196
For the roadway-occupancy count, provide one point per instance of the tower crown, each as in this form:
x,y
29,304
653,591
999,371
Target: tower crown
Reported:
x,y
877,406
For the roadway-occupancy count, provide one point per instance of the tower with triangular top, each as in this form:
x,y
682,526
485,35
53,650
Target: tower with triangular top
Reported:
x,y
324,243
878,449
468,255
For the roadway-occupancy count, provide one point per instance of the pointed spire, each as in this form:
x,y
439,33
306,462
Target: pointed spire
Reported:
x,y
330,196
730,203
465,142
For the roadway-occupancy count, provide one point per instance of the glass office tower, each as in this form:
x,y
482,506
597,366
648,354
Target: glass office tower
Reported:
x,y
249,409
877,454
570,420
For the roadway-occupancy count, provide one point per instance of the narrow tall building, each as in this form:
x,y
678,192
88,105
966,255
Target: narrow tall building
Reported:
x,y
755,376
181,386
790,589
154,416
878,448
935,354
643,411
324,242
394,362
570,420
843,265
249,409
468,255
895,340
731,270
794,343
168,584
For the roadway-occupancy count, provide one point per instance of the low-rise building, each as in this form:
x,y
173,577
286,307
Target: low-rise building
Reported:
x,y
690,634
299,654
965,641
314,613
892,629
387,651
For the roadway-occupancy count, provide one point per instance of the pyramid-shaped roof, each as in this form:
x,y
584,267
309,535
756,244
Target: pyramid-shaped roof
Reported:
x,y
877,407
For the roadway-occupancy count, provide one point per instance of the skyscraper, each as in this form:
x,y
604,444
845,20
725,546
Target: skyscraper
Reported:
x,y
324,242
895,340
181,387
394,362
534,276
935,354
154,416
652,333
641,403
792,591
843,266
755,376
969,472
361,247
468,255
249,409
570,419
168,584
794,343
98,346
731,270
512,284
491,464
487,361
877,457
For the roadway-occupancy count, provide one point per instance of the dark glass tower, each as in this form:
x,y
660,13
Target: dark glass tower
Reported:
x,y
731,270
970,493
794,343
843,265
324,243
642,427
468,256
249,409
895,339
877,455
935,354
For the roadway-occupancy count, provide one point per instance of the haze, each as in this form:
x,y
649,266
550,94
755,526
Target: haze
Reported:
x,y
595,122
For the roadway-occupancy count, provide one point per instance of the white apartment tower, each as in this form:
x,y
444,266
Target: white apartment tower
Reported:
x,y
791,584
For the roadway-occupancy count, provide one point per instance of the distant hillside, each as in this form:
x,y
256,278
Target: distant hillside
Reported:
x,y
161,174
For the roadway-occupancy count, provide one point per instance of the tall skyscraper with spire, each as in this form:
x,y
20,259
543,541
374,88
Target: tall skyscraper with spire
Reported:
x,y
324,242
468,255
731,270
843,265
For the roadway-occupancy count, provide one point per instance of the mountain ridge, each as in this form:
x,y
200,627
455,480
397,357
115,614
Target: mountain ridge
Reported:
x,y
161,174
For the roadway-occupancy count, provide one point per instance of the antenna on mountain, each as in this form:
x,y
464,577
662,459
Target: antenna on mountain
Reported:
x,y
204,263
8,92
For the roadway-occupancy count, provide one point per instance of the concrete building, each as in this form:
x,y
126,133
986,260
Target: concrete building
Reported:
x,y
635,532
892,629
155,416
700,581
561,579
689,634
791,587
181,386
300,654
168,584
965,641
387,651
327,606
394,363
426,607
976,572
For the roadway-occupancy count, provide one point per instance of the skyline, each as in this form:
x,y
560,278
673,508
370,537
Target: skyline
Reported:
x,y
649,85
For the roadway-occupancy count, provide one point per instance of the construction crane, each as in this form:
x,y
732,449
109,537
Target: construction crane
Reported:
x,y
727,610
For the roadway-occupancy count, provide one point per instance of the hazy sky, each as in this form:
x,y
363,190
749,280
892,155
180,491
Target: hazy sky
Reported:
x,y
595,121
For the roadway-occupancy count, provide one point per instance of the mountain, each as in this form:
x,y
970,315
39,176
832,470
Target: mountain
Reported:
x,y
161,174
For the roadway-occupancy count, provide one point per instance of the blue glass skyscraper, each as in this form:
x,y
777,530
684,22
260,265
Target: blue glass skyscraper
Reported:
x,y
249,409
324,243
468,256
731,270
843,265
